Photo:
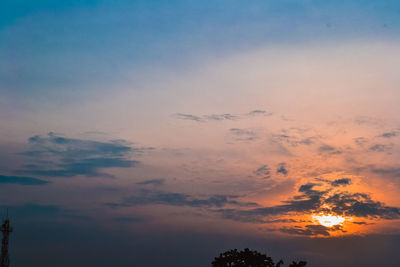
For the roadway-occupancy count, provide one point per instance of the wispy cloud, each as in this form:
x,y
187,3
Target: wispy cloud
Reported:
x,y
389,134
146,197
361,120
243,134
189,117
152,182
204,118
329,150
221,117
294,141
57,156
308,230
381,147
263,171
388,171
360,141
258,112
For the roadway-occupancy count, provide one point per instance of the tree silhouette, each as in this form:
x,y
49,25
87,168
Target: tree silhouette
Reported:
x,y
298,264
249,258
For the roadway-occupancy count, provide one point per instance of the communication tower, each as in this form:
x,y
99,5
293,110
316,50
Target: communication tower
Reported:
x,y
6,229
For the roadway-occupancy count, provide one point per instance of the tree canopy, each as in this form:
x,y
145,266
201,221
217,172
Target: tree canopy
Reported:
x,y
249,258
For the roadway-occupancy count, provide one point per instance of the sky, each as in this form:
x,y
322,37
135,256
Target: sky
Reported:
x,y
162,133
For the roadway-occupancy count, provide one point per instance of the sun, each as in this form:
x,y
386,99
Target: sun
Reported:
x,y
328,220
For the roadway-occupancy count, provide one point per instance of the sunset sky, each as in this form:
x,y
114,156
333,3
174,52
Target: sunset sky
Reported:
x,y
161,133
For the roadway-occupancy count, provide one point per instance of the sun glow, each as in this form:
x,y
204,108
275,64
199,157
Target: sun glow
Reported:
x,y
328,220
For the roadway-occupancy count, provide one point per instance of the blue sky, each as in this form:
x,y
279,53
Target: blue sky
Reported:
x,y
50,47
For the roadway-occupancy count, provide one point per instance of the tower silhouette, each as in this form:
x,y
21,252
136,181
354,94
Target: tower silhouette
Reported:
x,y
6,229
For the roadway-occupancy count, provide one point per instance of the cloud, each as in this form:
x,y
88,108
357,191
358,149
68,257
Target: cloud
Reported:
x,y
311,230
221,117
307,187
20,180
39,212
131,219
326,149
308,230
392,171
341,181
282,169
190,117
380,147
249,217
361,205
204,118
263,171
389,134
360,223
87,167
258,112
361,120
152,181
294,137
243,134
360,141
57,156
146,197
311,200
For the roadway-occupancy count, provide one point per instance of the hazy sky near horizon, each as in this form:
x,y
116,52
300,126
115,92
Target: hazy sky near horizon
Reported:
x,y
185,128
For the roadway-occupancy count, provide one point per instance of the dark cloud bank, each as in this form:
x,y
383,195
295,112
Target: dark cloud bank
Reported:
x,y
39,239
310,200
333,198
50,228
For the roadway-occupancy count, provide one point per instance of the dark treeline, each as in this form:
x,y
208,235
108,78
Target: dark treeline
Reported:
x,y
249,258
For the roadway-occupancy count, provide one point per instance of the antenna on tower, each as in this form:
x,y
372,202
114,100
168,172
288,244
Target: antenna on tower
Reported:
x,y
6,229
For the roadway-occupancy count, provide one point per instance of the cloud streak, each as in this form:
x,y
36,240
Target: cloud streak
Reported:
x,y
147,197
221,117
152,182
20,180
